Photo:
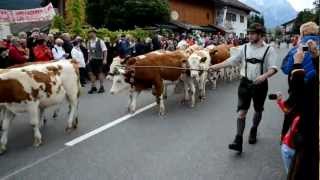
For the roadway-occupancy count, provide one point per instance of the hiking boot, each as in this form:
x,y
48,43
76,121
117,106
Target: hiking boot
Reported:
x,y
253,136
101,90
92,90
237,144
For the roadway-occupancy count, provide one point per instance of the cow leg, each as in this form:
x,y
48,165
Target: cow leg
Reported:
x,y
165,91
133,101
73,115
161,105
2,110
159,95
203,86
192,93
35,123
186,92
43,120
8,116
56,112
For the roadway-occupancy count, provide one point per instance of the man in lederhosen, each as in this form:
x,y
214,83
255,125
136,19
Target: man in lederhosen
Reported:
x,y
258,63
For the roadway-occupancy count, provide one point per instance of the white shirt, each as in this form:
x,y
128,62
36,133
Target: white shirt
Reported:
x,y
182,45
253,70
92,44
58,53
77,54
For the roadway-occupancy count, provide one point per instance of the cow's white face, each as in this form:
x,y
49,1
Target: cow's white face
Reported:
x,y
194,63
119,84
116,63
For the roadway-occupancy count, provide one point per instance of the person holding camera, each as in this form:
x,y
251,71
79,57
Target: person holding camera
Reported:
x,y
302,66
258,63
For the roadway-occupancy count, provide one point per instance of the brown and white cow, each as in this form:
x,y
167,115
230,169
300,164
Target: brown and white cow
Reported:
x,y
199,63
34,87
138,79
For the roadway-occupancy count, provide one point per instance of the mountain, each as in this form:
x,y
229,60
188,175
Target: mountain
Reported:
x,y
19,4
275,12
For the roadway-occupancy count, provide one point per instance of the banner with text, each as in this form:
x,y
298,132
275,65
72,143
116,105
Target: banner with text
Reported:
x,y
27,15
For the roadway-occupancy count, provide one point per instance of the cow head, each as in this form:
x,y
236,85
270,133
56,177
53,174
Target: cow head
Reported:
x,y
116,63
194,63
117,75
119,83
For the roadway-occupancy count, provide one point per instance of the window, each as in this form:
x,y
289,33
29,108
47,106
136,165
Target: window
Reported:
x,y
231,17
242,19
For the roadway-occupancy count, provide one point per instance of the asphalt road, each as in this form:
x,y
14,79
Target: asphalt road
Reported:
x,y
185,144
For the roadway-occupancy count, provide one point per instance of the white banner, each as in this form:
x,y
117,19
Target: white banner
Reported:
x,y
28,15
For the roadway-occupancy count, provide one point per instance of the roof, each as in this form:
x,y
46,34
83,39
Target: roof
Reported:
x,y
188,27
28,26
236,4
288,22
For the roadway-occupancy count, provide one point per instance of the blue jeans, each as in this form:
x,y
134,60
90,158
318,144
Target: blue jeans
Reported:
x,y
287,154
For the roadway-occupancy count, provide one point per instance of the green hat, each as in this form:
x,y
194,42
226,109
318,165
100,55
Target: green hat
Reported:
x,y
257,27
92,30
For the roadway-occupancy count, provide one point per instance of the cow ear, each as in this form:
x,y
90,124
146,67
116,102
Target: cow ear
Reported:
x,y
202,60
213,52
132,61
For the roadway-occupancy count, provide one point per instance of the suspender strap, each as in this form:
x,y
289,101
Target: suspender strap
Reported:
x,y
262,62
245,57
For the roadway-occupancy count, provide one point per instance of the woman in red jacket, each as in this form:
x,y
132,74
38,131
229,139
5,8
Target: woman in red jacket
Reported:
x,y
42,51
17,54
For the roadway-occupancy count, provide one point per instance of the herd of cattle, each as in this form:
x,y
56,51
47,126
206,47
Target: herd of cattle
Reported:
x,y
34,87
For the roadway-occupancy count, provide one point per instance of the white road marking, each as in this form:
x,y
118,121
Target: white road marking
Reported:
x,y
108,126
80,139
33,164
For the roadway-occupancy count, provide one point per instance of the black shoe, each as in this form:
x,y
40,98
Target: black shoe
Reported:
x,y
92,90
101,90
253,136
237,144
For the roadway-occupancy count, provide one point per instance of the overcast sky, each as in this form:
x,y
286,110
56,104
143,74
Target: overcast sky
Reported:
x,y
301,4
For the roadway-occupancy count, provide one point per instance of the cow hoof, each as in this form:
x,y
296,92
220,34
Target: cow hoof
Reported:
x,y
37,142
3,149
184,101
75,123
161,113
165,97
54,116
69,129
131,110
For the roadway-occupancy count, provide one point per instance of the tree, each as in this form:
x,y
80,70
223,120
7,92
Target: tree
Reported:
x,y
303,17
75,15
126,14
316,3
58,23
46,2
255,19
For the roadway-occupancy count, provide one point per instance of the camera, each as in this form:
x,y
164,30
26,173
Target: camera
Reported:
x,y
273,96
305,48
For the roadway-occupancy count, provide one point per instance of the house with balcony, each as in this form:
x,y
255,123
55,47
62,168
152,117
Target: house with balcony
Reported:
x,y
233,15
